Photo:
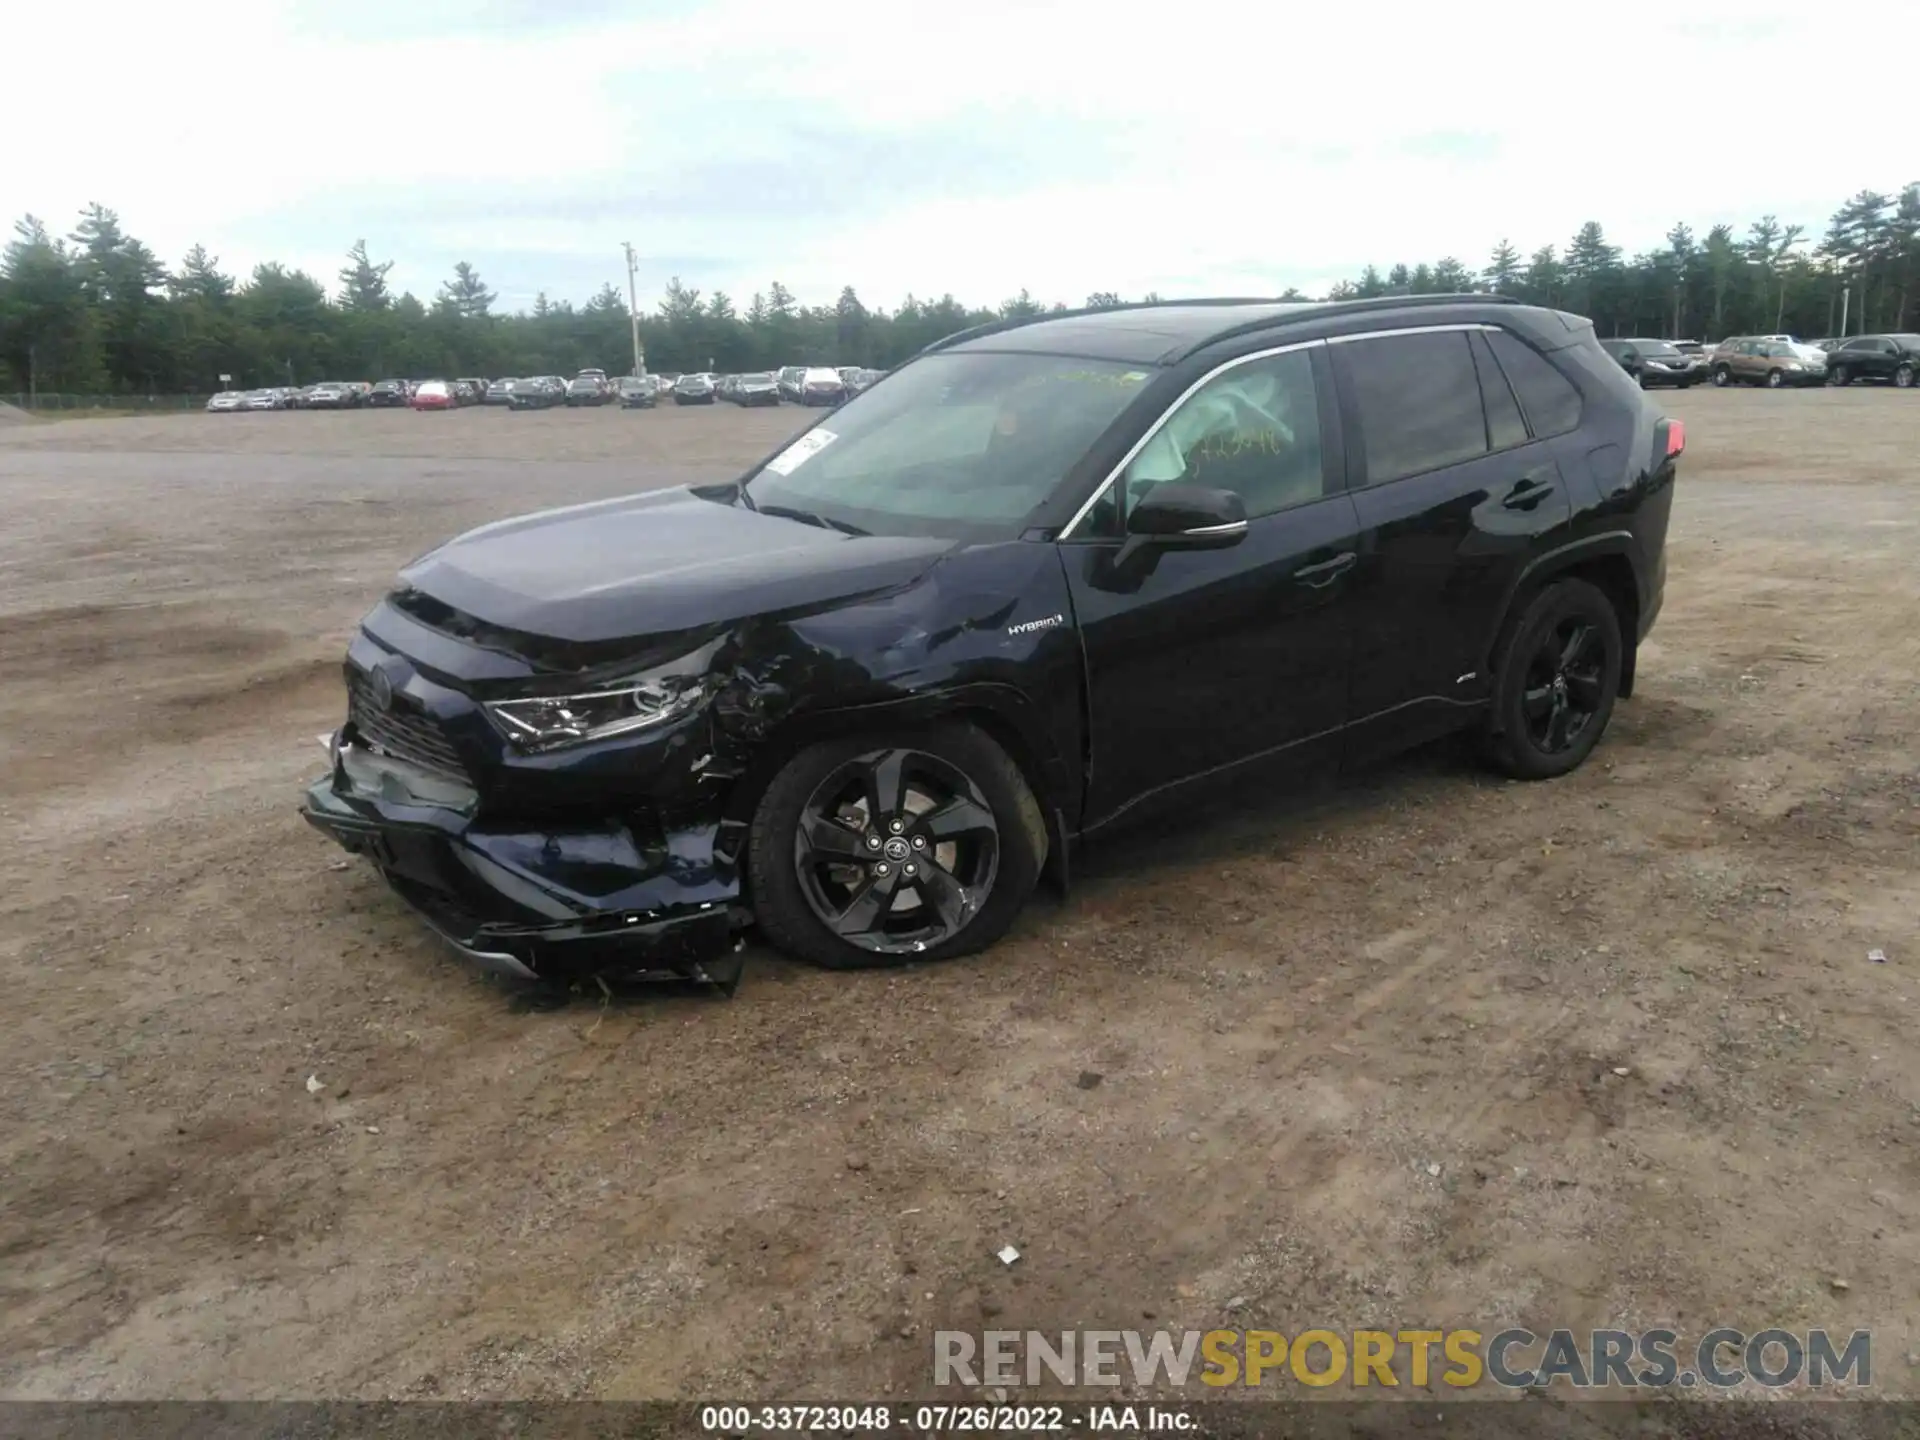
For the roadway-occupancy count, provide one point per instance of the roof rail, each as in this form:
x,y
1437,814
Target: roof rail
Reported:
x,y
1314,311
1309,309
995,327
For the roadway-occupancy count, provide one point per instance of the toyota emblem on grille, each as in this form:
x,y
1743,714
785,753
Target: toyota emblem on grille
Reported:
x,y
382,688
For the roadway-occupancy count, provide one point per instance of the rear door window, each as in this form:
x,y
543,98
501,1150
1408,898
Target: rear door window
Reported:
x,y
1418,402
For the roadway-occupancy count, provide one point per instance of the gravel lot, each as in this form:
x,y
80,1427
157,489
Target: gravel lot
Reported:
x,y
1439,1050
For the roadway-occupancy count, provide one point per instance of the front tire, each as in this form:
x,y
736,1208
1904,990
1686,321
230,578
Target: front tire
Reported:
x,y
1838,375
1775,379
1559,675
898,845
1903,377
1722,376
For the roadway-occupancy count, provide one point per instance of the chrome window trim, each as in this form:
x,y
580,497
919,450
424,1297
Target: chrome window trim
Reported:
x,y
1066,531
1411,330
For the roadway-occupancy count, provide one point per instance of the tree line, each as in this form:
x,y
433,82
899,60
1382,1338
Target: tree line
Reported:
x,y
95,311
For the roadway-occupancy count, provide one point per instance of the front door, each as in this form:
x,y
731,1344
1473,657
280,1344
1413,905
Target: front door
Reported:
x,y
1216,666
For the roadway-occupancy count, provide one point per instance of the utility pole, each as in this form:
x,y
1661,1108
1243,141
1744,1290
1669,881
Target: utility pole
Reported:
x,y
633,314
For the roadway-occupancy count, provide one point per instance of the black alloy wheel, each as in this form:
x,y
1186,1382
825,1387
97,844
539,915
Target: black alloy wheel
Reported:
x,y
1903,376
895,850
896,846
1558,677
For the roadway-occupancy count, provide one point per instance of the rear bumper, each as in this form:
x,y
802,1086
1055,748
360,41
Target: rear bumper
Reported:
x,y
526,903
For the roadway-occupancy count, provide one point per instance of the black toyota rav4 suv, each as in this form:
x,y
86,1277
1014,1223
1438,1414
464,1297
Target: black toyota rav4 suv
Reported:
x,y
1049,576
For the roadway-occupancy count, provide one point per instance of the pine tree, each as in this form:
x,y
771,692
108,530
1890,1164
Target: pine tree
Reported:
x,y
363,284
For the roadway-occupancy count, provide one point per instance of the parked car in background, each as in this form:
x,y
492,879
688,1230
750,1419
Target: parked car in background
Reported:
x,y
499,391
1693,348
331,396
757,387
389,393
537,392
1754,360
274,398
822,386
693,389
434,395
477,385
1214,554
789,378
465,392
227,402
1655,362
636,392
586,390
848,373
863,381
1892,358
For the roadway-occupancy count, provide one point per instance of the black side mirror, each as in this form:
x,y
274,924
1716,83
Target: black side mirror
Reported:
x,y
1178,516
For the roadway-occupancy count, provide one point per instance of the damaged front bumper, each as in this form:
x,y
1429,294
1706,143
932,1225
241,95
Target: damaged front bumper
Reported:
x,y
561,904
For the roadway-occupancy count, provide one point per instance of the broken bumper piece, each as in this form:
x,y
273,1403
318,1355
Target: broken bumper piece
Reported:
x,y
557,905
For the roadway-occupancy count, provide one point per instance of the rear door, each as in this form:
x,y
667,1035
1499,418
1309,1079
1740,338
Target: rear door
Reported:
x,y
1453,492
1875,357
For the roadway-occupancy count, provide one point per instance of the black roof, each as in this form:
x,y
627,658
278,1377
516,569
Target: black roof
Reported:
x,y
1161,333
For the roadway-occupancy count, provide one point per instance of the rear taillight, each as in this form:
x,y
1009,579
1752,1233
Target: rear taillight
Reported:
x,y
1676,438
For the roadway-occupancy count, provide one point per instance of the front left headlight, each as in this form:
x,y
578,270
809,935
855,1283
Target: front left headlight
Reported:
x,y
638,702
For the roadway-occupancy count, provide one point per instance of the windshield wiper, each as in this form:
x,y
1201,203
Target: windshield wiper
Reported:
x,y
809,517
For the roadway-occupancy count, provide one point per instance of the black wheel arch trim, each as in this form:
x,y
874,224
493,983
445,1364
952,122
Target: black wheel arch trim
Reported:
x,y
1606,544
1011,719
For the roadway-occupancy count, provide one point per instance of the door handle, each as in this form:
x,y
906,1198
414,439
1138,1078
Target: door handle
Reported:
x,y
1327,571
1527,494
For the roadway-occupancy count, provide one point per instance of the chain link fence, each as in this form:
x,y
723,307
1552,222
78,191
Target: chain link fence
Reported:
x,y
57,403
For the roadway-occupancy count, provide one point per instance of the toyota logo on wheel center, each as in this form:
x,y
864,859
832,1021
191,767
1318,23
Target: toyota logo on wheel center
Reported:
x,y
895,849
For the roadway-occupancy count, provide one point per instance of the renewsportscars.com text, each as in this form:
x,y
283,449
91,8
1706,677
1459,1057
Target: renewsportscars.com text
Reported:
x,y
1513,1358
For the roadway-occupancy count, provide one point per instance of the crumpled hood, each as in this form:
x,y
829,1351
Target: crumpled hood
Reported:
x,y
662,561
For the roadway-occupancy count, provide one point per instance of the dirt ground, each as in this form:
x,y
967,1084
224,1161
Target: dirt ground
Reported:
x,y
1437,1050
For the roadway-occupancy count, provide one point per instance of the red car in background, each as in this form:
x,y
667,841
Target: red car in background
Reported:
x,y
433,395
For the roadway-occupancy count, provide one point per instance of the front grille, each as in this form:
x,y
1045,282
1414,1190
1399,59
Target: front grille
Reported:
x,y
402,731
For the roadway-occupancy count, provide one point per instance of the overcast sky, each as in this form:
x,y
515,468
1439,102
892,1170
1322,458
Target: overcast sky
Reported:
x,y
1184,146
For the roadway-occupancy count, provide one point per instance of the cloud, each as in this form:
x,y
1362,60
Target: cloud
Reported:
x,y
1063,147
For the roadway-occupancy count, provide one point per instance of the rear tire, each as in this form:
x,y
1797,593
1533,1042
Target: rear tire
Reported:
x,y
985,872
1558,675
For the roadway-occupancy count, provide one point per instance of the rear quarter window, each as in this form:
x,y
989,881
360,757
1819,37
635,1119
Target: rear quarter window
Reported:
x,y
1547,398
